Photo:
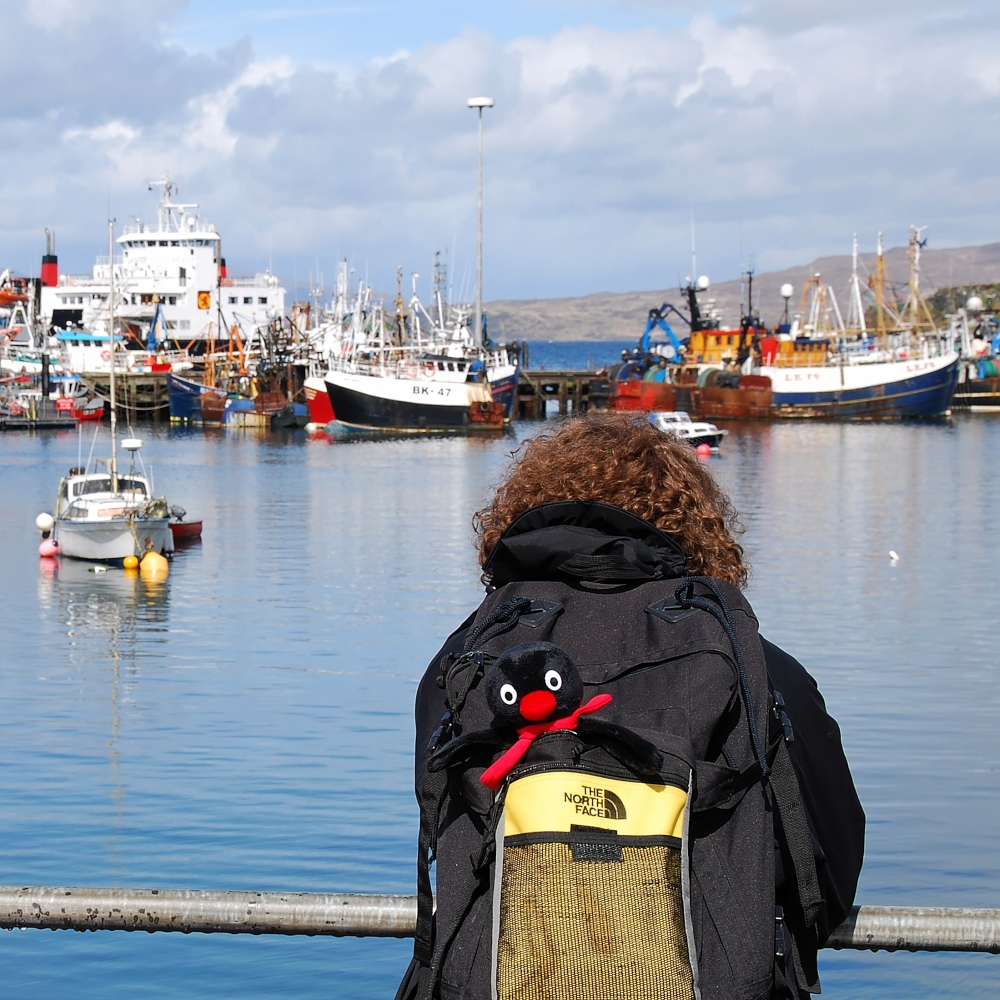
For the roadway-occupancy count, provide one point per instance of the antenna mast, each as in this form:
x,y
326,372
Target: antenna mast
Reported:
x,y
111,352
856,313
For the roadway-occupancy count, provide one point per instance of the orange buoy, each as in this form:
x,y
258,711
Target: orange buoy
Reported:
x,y
153,567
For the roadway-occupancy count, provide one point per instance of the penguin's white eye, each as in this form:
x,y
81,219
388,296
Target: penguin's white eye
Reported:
x,y
508,694
553,680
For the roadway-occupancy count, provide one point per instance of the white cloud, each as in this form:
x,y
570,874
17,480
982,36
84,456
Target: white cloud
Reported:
x,y
207,127
113,131
788,130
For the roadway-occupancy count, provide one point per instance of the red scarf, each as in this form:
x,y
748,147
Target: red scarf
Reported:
x,y
493,776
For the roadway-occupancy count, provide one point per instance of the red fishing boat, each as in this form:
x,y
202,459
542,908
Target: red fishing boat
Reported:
x,y
696,374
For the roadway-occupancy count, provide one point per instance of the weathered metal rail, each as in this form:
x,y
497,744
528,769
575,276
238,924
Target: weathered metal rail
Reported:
x,y
889,928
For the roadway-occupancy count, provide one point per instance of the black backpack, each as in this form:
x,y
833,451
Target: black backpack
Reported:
x,y
596,872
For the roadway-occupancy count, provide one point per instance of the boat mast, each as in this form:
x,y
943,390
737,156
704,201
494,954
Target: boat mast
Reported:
x,y
915,245
918,305
111,351
879,293
856,313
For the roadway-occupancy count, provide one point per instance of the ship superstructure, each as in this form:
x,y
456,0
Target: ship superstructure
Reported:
x,y
176,264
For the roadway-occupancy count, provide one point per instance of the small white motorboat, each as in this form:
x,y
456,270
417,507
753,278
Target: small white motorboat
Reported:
x,y
104,517
678,423
99,514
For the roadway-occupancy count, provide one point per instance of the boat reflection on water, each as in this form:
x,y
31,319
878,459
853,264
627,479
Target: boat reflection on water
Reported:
x,y
101,601
338,432
112,617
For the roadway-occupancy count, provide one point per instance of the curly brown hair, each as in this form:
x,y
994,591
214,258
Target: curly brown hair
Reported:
x,y
621,459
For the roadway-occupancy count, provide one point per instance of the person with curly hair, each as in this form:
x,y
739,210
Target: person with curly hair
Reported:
x,y
608,501
624,461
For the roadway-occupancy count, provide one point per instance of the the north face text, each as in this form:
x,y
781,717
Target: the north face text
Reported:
x,y
596,802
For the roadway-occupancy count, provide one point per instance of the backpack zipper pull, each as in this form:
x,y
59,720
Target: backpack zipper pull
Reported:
x,y
782,716
437,737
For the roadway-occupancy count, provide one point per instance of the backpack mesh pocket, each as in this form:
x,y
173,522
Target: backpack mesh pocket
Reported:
x,y
591,906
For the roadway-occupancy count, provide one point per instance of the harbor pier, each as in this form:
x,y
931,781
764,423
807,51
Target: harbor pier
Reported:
x,y
142,394
574,391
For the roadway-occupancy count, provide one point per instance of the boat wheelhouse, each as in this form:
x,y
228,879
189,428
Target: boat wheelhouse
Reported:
x,y
175,267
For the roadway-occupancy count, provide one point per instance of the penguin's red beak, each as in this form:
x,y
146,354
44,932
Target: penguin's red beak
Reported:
x,y
538,705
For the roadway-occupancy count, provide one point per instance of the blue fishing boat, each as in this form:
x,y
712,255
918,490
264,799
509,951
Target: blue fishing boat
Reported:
x,y
853,388
186,396
906,369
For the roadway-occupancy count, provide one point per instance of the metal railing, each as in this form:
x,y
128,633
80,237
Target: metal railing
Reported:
x,y
889,928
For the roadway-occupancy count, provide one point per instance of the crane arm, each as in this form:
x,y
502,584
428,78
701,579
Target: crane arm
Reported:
x,y
656,319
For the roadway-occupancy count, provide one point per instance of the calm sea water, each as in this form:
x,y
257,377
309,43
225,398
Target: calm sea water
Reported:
x,y
247,725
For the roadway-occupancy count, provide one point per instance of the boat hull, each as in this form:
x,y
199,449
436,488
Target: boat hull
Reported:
x,y
746,402
318,400
978,386
503,386
184,531
185,397
921,387
112,540
412,405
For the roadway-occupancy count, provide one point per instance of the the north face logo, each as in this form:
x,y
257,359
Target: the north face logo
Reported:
x,y
601,803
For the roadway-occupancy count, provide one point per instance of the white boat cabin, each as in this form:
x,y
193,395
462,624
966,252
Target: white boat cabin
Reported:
x,y
84,495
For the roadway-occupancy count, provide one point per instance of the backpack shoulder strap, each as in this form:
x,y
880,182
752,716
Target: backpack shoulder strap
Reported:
x,y
800,862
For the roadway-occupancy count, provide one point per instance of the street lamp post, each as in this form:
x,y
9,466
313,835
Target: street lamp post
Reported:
x,y
479,103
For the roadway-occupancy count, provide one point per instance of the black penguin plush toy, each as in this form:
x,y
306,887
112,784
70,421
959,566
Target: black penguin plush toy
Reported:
x,y
535,688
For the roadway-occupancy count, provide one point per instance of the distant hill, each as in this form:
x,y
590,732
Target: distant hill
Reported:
x,y
622,315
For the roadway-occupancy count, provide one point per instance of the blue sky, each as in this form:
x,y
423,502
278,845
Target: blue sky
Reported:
x,y
321,130
349,34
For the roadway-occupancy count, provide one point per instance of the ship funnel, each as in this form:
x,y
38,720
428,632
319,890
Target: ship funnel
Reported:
x,y
50,262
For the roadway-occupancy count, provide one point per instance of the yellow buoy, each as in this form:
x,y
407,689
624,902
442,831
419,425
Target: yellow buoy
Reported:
x,y
130,562
153,566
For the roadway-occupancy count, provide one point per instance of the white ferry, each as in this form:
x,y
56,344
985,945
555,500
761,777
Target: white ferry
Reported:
x,y
176,265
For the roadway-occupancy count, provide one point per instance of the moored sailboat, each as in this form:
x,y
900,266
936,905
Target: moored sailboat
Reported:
x,y
101,515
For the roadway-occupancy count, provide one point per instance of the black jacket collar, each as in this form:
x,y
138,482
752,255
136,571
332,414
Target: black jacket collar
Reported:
x,y
583,540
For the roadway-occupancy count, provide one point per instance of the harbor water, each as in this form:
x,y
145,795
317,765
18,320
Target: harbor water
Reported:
x,y
247,723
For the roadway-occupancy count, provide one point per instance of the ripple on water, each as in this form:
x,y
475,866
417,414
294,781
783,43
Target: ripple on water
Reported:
x,y
249,724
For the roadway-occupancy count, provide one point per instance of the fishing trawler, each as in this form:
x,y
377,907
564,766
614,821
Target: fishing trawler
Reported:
x,y
826,367
388,386
414,371
175,266
692,374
